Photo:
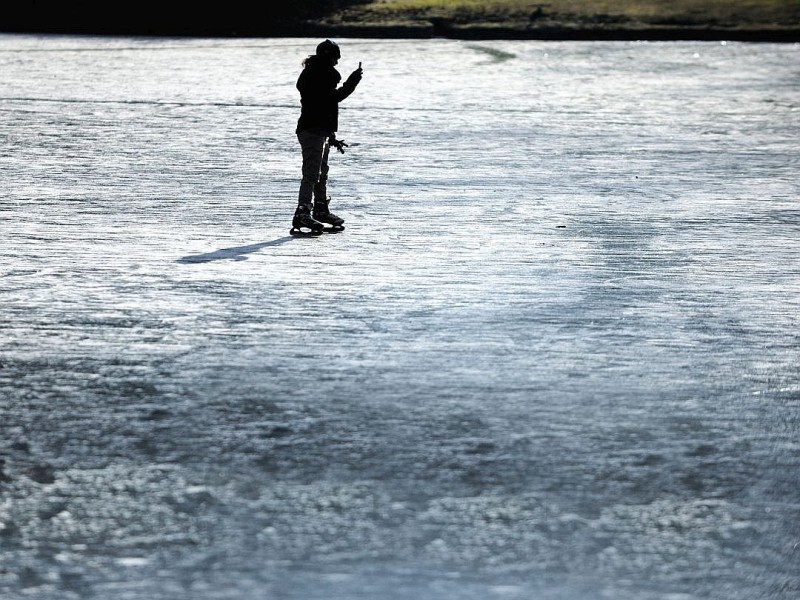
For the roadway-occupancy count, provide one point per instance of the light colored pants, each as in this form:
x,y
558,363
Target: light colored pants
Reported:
x,y
316,147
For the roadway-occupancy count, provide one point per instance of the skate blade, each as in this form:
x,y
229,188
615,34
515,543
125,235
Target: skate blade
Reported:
x,y
310,233
334,229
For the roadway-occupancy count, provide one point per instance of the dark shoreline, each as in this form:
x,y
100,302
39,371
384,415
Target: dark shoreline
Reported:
x,y
438,29
553,33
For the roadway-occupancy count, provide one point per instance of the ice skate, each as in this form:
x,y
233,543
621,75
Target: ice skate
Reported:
x,y
323,215
303,224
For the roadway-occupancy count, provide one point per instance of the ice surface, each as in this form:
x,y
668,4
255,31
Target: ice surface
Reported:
x,y
554,355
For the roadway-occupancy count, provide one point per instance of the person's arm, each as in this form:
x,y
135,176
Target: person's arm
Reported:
x,y
349,86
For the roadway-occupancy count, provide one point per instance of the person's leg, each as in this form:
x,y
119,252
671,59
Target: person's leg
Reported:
x,y
321,188
314,149
321,200
313,146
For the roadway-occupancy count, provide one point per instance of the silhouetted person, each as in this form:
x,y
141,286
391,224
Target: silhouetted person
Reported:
x,y
316,131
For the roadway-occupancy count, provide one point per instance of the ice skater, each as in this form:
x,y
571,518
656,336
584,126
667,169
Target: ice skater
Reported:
x,y
316,132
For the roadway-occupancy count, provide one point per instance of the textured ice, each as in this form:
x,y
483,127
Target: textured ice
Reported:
x,y
554,355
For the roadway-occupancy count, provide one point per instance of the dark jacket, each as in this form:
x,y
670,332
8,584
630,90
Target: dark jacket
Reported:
x,y
319,96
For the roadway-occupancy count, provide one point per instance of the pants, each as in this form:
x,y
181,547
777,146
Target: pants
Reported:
x,y
316,147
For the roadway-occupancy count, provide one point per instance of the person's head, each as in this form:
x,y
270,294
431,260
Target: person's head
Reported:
x,y
329,51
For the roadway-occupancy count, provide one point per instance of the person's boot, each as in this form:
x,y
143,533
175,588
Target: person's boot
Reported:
x,y
323,215
303,223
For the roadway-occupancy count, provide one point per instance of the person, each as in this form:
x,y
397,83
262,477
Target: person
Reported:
x,y
316,132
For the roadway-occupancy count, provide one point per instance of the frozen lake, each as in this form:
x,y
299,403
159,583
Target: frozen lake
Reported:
x,y
554,355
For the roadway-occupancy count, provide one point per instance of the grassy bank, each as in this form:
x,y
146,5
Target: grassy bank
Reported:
x,y
592,19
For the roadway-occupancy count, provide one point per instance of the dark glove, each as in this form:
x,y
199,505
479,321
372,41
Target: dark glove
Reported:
x,y
355,77
338,144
